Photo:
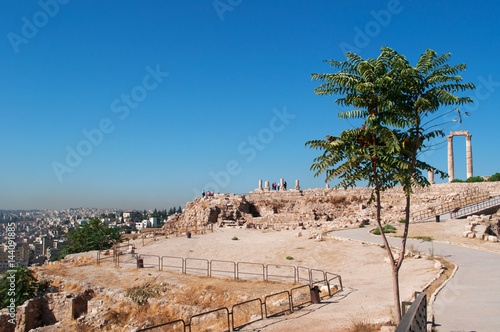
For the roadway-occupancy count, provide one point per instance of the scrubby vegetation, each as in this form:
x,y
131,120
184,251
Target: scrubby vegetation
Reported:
x,y
18,284
423,238
141,294
385,229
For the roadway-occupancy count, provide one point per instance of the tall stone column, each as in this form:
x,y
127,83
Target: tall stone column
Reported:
x,y
431,176
297,187
267,188
468,152
451,167
282,184
260,184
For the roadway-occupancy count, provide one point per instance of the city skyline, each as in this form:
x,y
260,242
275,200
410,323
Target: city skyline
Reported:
x,y
144,105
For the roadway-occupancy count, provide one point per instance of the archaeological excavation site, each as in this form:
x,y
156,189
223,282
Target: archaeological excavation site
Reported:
x,y
262,261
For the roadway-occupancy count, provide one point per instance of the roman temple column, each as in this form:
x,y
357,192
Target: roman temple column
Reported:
x,y
431,176
451,167
468,152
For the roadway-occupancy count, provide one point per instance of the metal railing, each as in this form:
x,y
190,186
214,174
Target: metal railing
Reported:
x,y
235,270
415,319
197,264
220,262
278,306
244,320
225,319
240,271
272,305
468,197
475,207
116,250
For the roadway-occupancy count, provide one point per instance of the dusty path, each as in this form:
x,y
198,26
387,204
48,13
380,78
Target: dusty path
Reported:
x,y
470,301
366,277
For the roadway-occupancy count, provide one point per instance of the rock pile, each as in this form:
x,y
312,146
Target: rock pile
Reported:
x,y
482,227
314,208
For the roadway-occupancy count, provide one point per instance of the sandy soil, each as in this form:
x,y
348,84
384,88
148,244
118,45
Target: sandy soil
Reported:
x,y
449,231
367,278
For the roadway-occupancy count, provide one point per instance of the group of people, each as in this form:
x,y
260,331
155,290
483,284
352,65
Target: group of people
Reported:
x,y
276,186
207,193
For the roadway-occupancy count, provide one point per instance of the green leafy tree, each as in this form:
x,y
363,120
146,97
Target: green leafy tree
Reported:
x,y
392,98
475,179
495,177
93,235
26,286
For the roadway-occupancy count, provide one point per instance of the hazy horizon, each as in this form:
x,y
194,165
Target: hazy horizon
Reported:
x,y
145,104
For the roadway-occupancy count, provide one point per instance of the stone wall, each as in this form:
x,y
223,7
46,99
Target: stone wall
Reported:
x,y
339,208
46,310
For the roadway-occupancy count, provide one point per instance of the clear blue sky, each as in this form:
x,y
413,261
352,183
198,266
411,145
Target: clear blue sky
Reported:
x,y
142,104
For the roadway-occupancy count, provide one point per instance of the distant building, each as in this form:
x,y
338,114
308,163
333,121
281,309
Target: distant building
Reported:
x,y
141,224
21,254
153,222
129,214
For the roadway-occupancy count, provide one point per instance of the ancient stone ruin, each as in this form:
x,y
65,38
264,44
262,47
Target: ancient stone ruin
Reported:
x,y
326,208
468,152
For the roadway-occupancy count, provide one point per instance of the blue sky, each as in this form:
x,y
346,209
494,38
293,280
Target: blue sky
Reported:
x,y
142,104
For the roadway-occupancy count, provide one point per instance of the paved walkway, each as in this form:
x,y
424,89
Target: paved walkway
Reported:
x,y
471,300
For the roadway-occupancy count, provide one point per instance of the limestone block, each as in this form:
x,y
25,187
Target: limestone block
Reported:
x,y
299,234
438,265
468,228
480,229
485,218
492,238
468,233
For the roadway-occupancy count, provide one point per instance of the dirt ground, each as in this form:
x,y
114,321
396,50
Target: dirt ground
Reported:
x,y
366,277
449,231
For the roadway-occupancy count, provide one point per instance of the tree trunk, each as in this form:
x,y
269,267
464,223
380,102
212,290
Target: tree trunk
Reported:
x,y
397,302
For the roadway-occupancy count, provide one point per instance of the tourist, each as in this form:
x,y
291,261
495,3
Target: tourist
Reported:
x,y
203,193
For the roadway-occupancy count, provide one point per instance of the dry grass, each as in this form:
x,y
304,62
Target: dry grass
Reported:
x,y
142,293
362,325
174,295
